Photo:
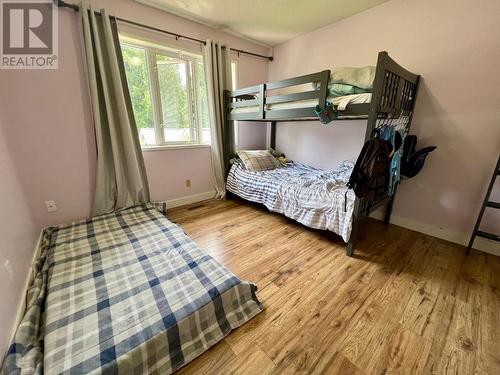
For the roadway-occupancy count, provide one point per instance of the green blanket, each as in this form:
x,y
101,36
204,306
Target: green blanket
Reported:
x,y
341,89
359,77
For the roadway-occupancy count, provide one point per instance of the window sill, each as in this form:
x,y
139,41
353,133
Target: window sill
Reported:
x,y
173,147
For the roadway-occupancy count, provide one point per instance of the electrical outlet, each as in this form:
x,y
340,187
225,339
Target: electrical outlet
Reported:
x,y
188,183
8,269
51,206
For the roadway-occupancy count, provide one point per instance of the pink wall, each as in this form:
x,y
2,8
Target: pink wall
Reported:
x,y
50,131
18,233
455,46
169,170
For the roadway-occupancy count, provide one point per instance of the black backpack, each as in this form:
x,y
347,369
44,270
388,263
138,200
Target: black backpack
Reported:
x,y
370,176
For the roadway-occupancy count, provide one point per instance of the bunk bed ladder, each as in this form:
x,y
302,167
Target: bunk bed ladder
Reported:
x,y
486,203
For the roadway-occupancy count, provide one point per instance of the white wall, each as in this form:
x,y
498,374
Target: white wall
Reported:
x,y
455,46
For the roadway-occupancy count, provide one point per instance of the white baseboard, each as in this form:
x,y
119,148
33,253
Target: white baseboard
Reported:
x,y
183,201
29,279
481,244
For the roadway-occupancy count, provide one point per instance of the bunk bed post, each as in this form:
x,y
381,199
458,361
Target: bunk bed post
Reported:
x,y
272,141
390,104
354,230
377,94
262,101
388,209
228,126
230,147
370,127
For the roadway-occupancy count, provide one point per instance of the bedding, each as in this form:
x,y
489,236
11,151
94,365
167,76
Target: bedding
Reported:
x,y
360,77
341,102
342,89
126,292
316,198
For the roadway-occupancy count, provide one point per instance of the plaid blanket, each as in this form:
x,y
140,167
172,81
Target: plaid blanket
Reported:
x,y
126,292
314,197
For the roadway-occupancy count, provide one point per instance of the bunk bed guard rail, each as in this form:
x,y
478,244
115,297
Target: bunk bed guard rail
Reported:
x,y
255,98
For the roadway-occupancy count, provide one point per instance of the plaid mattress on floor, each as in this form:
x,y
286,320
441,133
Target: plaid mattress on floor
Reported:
x,y
126,292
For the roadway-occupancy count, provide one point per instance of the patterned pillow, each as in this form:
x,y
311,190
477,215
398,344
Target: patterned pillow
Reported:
x,y
258,160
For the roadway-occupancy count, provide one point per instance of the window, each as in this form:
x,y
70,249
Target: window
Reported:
x,y
168,93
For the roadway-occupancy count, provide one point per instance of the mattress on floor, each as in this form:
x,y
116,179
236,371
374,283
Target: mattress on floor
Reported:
x,y
129,292
316,198
341,102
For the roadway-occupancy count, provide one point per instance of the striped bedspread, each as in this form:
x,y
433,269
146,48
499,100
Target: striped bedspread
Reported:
x,y
126,292
311,196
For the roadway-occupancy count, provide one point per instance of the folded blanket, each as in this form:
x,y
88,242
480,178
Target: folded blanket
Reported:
x,y
341,89
359,77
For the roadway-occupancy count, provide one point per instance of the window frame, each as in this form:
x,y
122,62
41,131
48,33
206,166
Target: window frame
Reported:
x,y
234,84
191,59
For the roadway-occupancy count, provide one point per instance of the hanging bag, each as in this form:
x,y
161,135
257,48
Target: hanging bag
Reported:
x,y
413,161
327,114
370,176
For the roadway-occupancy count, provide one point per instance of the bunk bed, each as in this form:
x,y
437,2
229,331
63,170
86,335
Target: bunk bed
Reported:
x,y
391,103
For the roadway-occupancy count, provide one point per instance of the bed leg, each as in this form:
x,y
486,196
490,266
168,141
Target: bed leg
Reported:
x,y
352,239
388,209
356,215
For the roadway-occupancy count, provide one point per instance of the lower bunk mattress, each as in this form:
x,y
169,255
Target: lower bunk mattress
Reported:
x,y
316,198
128,292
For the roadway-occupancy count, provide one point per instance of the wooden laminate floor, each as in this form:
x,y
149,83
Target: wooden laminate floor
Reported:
x,y
406,303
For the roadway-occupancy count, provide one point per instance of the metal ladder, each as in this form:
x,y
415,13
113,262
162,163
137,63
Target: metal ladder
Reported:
x,y
486,203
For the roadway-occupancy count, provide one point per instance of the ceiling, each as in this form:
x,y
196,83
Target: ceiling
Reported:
x,y
268,22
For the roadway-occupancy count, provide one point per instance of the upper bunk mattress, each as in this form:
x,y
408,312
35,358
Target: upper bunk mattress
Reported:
x,y
341,102
316,198
130,292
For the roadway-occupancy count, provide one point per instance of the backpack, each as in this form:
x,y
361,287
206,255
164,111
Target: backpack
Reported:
x,y
370,176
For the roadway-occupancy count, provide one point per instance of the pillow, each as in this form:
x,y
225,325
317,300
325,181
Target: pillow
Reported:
x,y
258,160
362,78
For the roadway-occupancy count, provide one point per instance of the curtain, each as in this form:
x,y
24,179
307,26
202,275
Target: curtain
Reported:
x,y
217,62
121,179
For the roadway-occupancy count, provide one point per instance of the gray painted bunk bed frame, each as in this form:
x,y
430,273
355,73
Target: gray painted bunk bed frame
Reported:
x,y
392,103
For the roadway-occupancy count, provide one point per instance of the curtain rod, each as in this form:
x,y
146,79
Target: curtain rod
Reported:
x,y
76,8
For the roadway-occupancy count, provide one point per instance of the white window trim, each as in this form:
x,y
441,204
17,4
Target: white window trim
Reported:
x,y
236,124
171,147
175,52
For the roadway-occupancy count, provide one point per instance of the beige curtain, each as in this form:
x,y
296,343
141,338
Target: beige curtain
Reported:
x,y
217,62
121,176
